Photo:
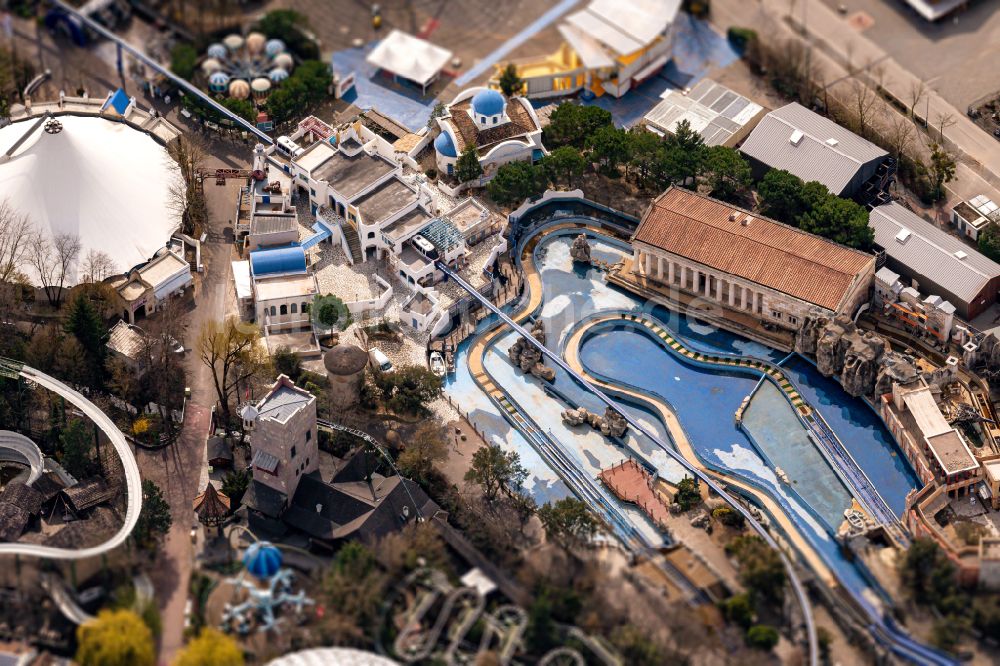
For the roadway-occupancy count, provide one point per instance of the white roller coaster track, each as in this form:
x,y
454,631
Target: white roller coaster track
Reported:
x,y
133,481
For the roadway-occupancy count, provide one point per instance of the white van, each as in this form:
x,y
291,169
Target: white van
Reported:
x,y
288,147
380,360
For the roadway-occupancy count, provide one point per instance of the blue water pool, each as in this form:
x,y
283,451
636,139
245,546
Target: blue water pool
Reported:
x,y
705,400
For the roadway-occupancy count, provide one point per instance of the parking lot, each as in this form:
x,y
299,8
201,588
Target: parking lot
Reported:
x,y
956,56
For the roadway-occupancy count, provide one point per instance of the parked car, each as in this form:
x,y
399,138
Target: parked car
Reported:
x,y
380,360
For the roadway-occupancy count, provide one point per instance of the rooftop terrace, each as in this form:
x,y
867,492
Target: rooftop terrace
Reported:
x,y
350,175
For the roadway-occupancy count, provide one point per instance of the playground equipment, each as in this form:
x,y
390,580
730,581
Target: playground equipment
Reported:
x,y
268,589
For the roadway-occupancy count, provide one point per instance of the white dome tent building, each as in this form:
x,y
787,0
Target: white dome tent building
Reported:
x,y
95,176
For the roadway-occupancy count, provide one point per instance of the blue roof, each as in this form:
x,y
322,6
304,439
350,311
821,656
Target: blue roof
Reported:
x,y
444,145
262,559
488,103
119,102
278,260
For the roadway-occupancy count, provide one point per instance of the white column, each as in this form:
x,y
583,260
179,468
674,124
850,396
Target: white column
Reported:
x,y
671,266
647,263
659,268
732,293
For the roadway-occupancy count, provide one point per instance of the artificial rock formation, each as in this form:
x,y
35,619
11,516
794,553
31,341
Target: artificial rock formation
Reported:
x,y
612,424
580,250
528,357
843,351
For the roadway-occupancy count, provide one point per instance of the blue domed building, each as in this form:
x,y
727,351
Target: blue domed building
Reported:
x,y
501,130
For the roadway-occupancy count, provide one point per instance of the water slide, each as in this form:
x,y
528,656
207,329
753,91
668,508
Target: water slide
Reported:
x,y
133,481
882,627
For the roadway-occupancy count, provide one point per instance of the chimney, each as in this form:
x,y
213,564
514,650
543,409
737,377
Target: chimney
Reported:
x,y
733,215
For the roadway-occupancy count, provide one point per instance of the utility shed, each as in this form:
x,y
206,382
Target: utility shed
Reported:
x,y
940,263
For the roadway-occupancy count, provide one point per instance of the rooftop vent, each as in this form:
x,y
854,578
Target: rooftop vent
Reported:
x,y
747,220
796,137
832,142
903,236
733,215
960,255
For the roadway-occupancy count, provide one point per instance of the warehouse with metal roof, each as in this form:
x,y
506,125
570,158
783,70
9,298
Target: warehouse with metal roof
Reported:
x,y
940,263
812,147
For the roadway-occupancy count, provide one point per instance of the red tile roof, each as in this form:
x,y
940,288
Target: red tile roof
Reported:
x,y
761,250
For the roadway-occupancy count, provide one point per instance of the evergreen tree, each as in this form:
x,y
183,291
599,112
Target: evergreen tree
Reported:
x,y
781,196
989,241
609,146
84,323
510,83
154,518
568,523
515,182
496,470
841,220
467,167
564,164
727,174
685,154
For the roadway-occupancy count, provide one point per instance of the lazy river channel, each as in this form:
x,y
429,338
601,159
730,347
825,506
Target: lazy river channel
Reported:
x,y
704,400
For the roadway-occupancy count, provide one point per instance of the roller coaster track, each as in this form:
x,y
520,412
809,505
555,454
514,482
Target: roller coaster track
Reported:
x,y
882,627
133,481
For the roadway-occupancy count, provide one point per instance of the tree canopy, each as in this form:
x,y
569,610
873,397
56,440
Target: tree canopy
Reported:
x,y
211,648
115,638
727,174
515,182
564,164
568,523
572,124
762,571
154,518
496,470
840,220
408,389
510,83
467,166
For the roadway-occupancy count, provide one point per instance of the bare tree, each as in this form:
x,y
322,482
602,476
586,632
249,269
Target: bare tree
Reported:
x,y
864,105
185,197
233,352
16,236
97,265
53,261
943,122
917,91
899,134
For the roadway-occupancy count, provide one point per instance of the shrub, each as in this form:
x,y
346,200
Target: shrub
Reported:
x,y
762,637
741,37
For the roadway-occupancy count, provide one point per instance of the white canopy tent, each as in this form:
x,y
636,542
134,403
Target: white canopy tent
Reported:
x,y
97,179
410,57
